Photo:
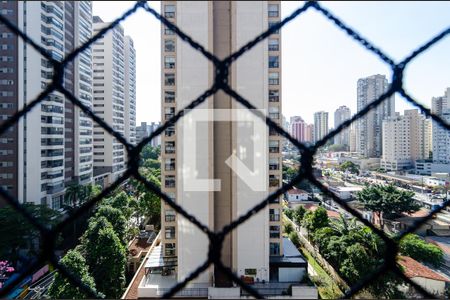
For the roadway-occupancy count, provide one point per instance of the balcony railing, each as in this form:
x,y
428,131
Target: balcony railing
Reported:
x,y
274,182
274,149
274,218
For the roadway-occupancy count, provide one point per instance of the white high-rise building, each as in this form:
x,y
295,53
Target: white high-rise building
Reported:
x,y
403,141
50,147
130,90
114,60
369,128
320,125
340,115
441,137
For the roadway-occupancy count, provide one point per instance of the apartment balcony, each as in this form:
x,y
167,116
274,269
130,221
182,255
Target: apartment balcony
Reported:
x,y
274,149
274,115
274,218
169,167
274,234
169,218
274,182
170,184
169,150
274,167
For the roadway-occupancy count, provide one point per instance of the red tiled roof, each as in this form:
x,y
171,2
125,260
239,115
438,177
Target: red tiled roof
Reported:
x,y
413,268
296,192
330,213
423,212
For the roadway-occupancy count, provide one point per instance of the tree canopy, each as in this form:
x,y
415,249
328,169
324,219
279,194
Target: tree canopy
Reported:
x,y
387,201
413,246
350,167
62,288
105,256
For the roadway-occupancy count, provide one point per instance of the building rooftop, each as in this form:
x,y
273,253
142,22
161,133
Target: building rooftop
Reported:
x,y
296,191
413,268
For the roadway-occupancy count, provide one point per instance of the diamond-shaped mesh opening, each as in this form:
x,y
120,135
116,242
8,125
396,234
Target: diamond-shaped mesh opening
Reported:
x,y
49,235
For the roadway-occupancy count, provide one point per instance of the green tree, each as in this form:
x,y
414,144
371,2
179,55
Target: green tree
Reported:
x,y
314,220
16,232
415,247
349,166
117,220
149,152
289,213
299,213
293,236
386,201
289,173
354,266
62,288
105,256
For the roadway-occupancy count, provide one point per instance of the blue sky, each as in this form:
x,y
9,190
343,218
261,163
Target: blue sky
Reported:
x,y
320,63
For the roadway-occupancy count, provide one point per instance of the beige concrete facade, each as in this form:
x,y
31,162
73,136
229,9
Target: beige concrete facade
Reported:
x,y
219,27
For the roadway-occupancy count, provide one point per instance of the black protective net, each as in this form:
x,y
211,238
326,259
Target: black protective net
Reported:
x,y
222,67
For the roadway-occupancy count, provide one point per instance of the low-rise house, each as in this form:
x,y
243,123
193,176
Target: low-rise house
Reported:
x,y
295,195
431,281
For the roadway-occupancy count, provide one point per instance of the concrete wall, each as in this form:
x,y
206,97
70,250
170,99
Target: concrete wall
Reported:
x,y
252,83
192,79
432,286
291,274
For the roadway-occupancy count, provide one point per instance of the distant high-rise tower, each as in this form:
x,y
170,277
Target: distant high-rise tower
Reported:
x,y
340,115
320,125
369,127
51,146
114,60
441,136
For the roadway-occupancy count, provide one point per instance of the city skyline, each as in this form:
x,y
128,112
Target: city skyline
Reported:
x,y
332,70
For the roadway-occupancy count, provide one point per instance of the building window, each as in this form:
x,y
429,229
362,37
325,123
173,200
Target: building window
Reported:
x,y
274,214
250,272
169,11
170,215
169,79
274,44
169,62
169,249
274,62
274,96
169,96
274,248
170,181
274,232
169,164
168,31
273,24
169,147
274,78
169,232
169,45
273,10
274,112
274,146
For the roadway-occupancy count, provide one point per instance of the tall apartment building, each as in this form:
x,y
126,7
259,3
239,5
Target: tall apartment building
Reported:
x,y
352,137
222,27
403,140
369,127
340,115
145,130
320,125
130,90
50,147
114,60
301,131
441,137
